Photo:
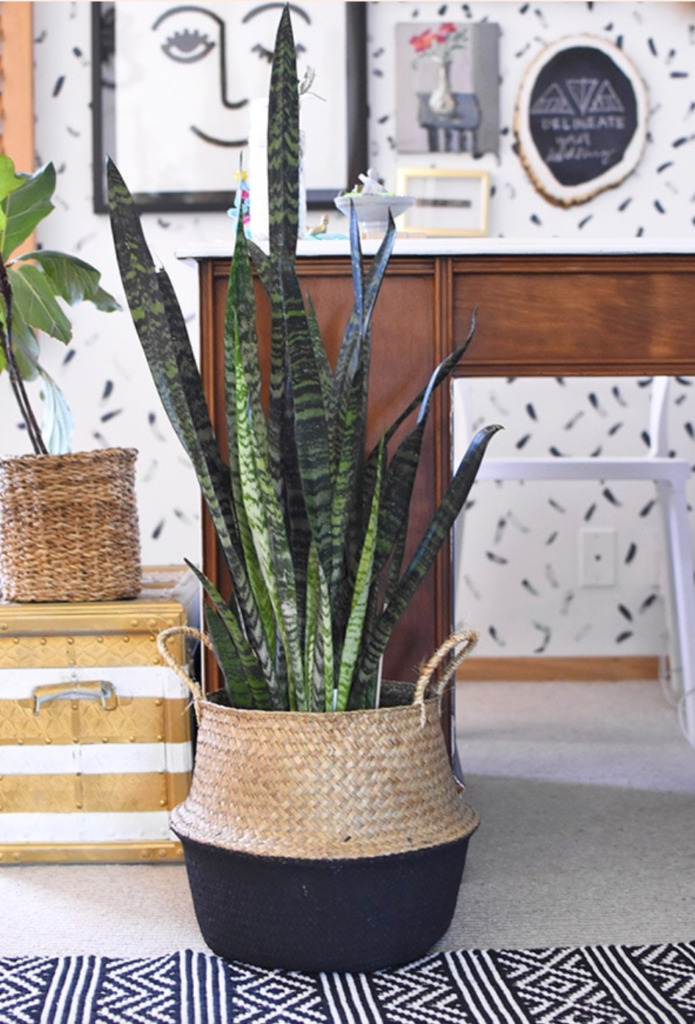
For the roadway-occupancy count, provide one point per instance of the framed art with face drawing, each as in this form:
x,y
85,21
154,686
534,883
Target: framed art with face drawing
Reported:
x,y
172,91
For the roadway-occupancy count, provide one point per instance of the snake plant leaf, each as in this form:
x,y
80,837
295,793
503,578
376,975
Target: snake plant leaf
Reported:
x,y
400,481
164,338
318,648
323,366
311,618
350,394
301,541
402,471
262,525
161,329
354,629
226,656
25,207
267,526
261,263
283,144
297,416
244,671
308,427
397,599
356,265
360,318
240,323
443,371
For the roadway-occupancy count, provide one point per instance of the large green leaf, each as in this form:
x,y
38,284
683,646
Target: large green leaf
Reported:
x,y
72,278
26,207
35,301
9,182
57,425
26,348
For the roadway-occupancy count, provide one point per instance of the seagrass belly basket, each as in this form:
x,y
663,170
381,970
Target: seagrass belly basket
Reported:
x,y
325,841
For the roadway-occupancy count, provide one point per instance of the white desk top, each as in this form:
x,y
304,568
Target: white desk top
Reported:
x,y
409,246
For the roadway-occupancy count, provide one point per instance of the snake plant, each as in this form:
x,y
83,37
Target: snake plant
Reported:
x,y
312,526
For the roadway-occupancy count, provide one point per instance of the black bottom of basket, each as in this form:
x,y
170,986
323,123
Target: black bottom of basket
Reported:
x,y
324,915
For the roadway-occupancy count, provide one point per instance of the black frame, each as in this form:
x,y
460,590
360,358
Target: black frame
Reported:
x,y
103,125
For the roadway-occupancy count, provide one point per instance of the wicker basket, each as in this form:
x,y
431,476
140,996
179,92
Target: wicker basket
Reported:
x,y
324,841
69,527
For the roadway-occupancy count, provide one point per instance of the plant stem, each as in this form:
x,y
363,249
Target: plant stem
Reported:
x,y
16,381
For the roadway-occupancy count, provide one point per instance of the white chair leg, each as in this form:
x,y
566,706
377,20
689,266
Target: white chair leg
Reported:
x,y
670,662
683,589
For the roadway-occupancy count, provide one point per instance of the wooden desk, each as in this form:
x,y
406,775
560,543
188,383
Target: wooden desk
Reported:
x,y
539,314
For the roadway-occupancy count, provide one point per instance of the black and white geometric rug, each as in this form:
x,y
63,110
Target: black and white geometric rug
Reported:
x,y
589,985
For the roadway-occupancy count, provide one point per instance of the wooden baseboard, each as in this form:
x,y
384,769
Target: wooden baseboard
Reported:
x,y
603,669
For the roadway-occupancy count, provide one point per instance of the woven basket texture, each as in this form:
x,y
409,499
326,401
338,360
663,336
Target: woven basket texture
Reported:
x,y
69,527
325,785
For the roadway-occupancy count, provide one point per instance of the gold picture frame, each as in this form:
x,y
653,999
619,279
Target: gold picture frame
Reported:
x,y
447,202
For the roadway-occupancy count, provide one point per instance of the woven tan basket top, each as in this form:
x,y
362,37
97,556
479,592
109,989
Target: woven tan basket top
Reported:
x,y
69,527
323,785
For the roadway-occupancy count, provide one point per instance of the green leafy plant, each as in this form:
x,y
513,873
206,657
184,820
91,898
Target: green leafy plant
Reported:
x,y
312,526
31,283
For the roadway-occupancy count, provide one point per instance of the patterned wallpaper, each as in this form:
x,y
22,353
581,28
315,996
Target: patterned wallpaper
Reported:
x,y
657,200
518,578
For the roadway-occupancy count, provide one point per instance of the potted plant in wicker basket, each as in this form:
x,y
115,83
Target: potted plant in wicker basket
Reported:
x,y
68,521
323,829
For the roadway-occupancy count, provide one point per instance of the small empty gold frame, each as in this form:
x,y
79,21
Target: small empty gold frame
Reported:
x,y
446,202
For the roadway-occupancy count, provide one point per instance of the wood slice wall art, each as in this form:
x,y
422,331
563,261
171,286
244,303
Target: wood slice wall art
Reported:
x,y
580,119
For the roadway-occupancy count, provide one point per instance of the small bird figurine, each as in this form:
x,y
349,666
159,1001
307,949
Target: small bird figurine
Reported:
x,y
321,228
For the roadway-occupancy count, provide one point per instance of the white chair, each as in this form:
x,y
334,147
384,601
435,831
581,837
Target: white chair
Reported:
x,y
670,476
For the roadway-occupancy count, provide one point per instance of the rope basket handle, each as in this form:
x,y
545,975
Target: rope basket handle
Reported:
x,y
445,656
448,659
163,639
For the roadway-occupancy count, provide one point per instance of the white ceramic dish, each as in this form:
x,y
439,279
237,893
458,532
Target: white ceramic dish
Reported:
x,y
372,209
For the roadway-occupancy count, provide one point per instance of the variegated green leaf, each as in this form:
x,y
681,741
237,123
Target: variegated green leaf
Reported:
x,y
240,326
309,432
318,652
355,625
227,659
163,335
395,602
267,526
283,144
247,667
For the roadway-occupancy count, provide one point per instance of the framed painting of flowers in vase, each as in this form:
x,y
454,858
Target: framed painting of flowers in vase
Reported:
x,y
447,80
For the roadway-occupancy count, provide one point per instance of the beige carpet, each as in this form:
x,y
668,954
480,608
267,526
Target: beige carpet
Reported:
x,y
587,799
